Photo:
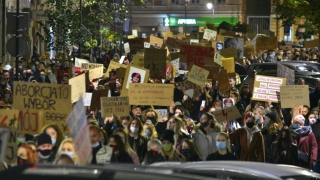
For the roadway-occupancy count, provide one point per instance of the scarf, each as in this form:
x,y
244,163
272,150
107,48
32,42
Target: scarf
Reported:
x,y
301,132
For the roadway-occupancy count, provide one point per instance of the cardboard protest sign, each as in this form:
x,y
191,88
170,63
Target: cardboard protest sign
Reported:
x,y
209,34
150,94
136,45
228,64
266,43
228,102
114,65
186,85
237,43
34,98
87,99
284,71
218,59
175,63
156,41
80,132
166,35
194,41
249,49
146,45
226,114
119,106
78,87
135,32
4,131
229,52
311,44
292,94
155,61
95,73
126,47
286,47
88,66
296,110
171,42
120,72
9,118
95,100
138,60
267,88
196,55
162,112
122,59
10,144
198,75
134,74
223,81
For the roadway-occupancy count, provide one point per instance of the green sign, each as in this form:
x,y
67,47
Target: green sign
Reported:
x,y
173,21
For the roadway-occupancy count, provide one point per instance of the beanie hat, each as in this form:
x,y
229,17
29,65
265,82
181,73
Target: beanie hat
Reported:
x,y
272,116
168,135
44,138
299,119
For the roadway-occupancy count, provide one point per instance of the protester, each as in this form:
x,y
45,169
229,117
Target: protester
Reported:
x,y
170,152
190,151
224,151
119,153
26,155
150,131
56,137
155,153
67,147
44,144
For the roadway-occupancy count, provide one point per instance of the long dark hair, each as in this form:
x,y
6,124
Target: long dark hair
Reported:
x,y
119,142
210,116
192,147
283,143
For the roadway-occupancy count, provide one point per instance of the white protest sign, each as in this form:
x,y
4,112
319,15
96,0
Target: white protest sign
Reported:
x,y
175,63
162,112
209,34
194,41
218,59
225,114
146,45
87,99
122,59
135,32
126,47
79,129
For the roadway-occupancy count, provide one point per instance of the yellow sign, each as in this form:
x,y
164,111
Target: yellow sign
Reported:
x,y
198,75
95,73
78,87
119,106
113,65
228,64
290,95
88,66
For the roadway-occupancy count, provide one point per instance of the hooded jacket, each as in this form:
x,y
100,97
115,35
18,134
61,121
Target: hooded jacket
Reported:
x,y
251,144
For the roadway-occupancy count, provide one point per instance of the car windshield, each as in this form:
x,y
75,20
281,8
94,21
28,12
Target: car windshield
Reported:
x,y
306,68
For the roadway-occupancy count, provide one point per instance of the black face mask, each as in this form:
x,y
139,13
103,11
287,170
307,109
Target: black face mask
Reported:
x,y
185,152
45,152
21,161
204,124
152,119
152,153
250,124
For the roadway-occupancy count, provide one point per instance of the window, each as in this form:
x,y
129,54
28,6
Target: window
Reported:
x,y
175,1
221,1
195,1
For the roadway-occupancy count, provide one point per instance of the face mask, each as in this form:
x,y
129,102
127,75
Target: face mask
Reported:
x,y
6,95
114,147
166,147
20,67
3,83
312,121
152,153
204,124
53,140
281,53
70,154
185,152
221,145
37,63
95,145
185,97
176,115
317,117
257,117
134,130
33,67
21,140
147,133
114,126
124,126
45,152
250,124
295,126
21,161
218,107
152,119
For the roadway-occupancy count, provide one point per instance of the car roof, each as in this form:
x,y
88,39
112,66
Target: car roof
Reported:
x,y
263,169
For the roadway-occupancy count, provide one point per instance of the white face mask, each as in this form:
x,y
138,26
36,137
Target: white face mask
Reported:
x,y
185,97
218,107
312,121
281,53
134,130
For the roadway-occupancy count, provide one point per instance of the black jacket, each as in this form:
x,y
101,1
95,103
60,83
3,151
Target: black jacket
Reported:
x,y
122,157
153,157
141,146
280,157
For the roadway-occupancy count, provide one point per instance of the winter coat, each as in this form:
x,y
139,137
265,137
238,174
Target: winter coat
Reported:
x,y
104,154
281,156
141,146
122,157
206,142
253,151
269,133
174,156
153,157
316,131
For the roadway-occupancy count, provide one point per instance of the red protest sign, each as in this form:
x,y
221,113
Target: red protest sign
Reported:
x,y
227,114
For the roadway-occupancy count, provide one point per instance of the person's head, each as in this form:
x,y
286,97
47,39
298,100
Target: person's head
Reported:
x,y
154,145
64,159
135,78
6,75
95,135
250,121
26,155
305,110
135,126
7,93
232,81
92,120
150,130
270,118
116,143
217,104
235,96
178,110
167,140
136,110
175,123
284,136
55,133
301,81
258,112
298,121
32,144
189,148
315,111
67,147
44,144
152,115
231,43
124,121
207,120
223,141
312,118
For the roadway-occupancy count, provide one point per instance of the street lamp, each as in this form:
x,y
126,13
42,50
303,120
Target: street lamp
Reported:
x,y
185,16
210,6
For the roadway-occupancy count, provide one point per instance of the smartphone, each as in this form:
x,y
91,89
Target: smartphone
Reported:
x,y
203,103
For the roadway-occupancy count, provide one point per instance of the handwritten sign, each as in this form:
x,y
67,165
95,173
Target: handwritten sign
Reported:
x,y
194,41
126,47
267,88
155,61
95,73
196,55
135,32
95,100
80,132
226,114
223,81
249,49
198,75
9,118
290,95
228,64
9,145
156,41
146,45
113,65
209,34
87,99
218,59
78,87
34,98
312,43
3,143
119,106
186,85
136,45
175,63
284,71
88,66
229,52
150,94
266,43
162,112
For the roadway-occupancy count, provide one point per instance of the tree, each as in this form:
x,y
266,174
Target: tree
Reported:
x,y
289,10
308,31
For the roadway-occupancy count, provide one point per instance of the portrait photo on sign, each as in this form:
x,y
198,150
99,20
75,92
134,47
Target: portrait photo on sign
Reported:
x,y
228,102
219,46
235,43
136,75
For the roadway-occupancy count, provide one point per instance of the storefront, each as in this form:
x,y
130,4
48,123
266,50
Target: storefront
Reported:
x,y
198,21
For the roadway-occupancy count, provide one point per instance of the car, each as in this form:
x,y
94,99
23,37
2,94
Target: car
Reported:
x,y
236,170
